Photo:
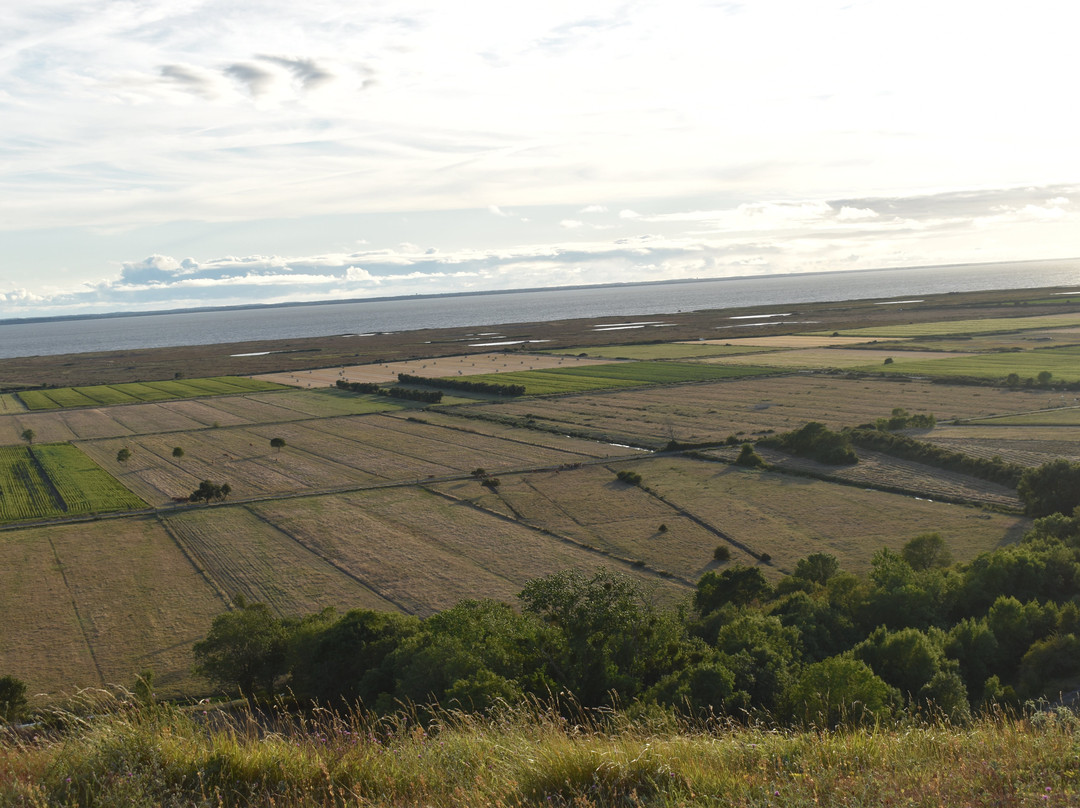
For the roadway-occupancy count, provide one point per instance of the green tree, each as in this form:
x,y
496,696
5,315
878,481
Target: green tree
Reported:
x,y
277,443
738,585
817,567
749,458
244,649
28,435
607,641
208,491
177,452
1043,378
343,660
12,698
926,551
1053,487
124,455
838,691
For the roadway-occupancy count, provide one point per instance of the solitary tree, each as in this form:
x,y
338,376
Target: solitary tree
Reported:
x,y
123,455
277,443
208,491
12,698
178,452
28,435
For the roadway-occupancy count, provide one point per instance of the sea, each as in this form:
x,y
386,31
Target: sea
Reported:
x,y
492,309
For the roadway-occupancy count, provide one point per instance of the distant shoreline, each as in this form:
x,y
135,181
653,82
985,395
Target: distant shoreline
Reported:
x,y
487,292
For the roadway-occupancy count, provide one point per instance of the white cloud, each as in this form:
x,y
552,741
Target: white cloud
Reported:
x,y
571,224
593,209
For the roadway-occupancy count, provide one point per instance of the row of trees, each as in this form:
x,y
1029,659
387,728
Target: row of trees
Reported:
x,y
820,645
427,396
491,388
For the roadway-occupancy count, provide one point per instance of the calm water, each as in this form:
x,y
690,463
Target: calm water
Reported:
x,y
406,314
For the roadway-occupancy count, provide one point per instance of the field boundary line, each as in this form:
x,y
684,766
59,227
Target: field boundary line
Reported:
x,y
629,562
497,437
78,614
205,573
693,517
325,559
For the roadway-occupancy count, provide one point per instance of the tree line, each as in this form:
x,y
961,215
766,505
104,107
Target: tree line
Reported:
x,y
821,645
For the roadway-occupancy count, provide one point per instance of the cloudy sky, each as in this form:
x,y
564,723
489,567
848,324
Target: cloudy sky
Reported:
x,y
167,153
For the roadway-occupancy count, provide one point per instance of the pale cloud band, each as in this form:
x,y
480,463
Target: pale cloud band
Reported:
x,y
747,239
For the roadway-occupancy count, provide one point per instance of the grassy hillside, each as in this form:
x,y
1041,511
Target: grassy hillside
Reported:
x,y
532,757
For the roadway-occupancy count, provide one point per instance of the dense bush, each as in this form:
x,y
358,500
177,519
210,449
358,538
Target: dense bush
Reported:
x,y
820,646
817,442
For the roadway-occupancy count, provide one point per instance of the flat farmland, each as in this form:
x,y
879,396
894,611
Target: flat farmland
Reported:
x,y
662,350
96,604
467,365
325,453
786,341
98,395
515,434
181,416
591,506
1063,363
842,358
54,480
243,554
790,517
877,470
9,402
1024,445
710,412
1058,416
425,552
987,325
622,374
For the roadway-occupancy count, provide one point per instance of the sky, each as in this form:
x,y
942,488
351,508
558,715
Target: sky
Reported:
x,y
159,154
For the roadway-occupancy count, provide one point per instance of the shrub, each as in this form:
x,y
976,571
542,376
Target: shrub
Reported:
x,y
722,553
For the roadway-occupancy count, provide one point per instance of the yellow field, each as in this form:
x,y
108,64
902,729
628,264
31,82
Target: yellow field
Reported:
x,y
1025,445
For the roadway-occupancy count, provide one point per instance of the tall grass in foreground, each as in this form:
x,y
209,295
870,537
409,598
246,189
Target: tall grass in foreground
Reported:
x,y
532,756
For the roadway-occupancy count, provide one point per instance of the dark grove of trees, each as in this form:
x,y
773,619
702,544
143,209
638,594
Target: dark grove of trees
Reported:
x,y
491,388
819,646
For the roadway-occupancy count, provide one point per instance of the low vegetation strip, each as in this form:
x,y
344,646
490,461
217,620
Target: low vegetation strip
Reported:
x,y
621,374
126,756
134,392
987,325
46,481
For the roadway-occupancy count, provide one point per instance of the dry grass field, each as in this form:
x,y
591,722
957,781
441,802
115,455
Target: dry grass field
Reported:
x,y
711,411
590,506
466,365
876,470
97,603
425,552
842,358
328,453
787,341
790,517
1024,445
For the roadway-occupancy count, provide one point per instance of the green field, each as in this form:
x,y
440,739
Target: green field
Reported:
x,y
135,392
621,374
661,350
988,325
1063,363
52,480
